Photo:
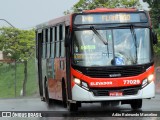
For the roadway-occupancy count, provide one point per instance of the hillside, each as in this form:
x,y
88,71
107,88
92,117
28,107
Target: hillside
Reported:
x,y
9,83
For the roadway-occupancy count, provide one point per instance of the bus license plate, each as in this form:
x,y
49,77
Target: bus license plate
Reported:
x,y
115,93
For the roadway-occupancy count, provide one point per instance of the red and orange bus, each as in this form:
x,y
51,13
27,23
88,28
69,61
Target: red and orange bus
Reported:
x,y
101,55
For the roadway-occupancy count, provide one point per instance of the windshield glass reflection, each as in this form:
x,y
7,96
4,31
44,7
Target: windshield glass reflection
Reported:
x,y
122,47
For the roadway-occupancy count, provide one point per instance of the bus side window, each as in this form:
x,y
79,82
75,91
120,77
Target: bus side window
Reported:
x,y
57,42
52,39
44,45
39,40
62,39
48,43
55,39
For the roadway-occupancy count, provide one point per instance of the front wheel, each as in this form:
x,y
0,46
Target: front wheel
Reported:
x,y
72,106
64,95
136,104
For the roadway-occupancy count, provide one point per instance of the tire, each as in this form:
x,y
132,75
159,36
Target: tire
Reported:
x,y
64,95
105,104
41,91
136,104
72,107
47,99
79,104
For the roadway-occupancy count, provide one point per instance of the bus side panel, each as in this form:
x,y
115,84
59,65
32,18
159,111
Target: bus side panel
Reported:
x,y
52,83
55,81
58,79
43,74
61,75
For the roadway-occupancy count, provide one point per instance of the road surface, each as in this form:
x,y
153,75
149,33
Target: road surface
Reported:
x,y
99,113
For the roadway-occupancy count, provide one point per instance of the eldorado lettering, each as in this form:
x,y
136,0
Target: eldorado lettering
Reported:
x,y
100,83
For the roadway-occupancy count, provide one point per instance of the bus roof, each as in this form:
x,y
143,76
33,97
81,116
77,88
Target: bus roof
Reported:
x,y
64,19
110,10
67,18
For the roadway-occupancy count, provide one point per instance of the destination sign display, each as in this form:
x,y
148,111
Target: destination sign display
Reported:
x,y
110,18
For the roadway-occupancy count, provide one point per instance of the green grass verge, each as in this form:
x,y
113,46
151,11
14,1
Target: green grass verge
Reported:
x,y
7,80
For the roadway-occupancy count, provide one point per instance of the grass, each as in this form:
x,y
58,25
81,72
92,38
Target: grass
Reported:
x,y
7,80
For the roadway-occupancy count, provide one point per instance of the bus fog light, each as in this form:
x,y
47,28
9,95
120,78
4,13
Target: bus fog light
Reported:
x,y
77,81
144,83
150,78
85,85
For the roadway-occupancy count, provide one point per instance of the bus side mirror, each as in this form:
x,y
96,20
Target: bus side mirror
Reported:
x,y
155,39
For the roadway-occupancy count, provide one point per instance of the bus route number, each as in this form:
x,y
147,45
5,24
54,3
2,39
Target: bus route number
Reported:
x,y
131,82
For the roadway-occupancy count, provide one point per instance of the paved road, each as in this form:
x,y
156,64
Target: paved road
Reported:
x,y
34,104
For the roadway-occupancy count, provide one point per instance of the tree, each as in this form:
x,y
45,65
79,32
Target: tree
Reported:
x,y
18,45
92,4
154,12
157,48
155,18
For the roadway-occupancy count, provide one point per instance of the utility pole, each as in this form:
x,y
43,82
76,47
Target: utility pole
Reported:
x,y
7,22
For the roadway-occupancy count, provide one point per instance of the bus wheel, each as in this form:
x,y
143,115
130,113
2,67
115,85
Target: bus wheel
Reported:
x,y
136,104
79,104
41,91
48,101
64,96
72,106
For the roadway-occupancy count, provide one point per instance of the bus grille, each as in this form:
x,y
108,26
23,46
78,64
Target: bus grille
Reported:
x,y
112,72
107,73
105,92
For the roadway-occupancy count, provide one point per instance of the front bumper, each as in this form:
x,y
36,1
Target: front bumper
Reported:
x,y
80,94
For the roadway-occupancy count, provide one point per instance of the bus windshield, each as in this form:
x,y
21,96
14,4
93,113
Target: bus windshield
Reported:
x,y
122,48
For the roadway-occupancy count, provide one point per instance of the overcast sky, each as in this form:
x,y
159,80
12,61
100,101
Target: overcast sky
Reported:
x,y
26,14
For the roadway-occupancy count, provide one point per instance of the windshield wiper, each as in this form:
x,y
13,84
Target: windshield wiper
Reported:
x,y
105,42
98,35
134,37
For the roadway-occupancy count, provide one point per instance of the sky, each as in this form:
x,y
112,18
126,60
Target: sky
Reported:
x,y
26,14
144,5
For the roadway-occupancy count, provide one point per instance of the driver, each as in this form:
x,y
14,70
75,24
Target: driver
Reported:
x,y
124,44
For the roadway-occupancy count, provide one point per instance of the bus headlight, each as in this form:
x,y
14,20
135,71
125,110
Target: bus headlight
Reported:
x,y
81,83
150,78
77,81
